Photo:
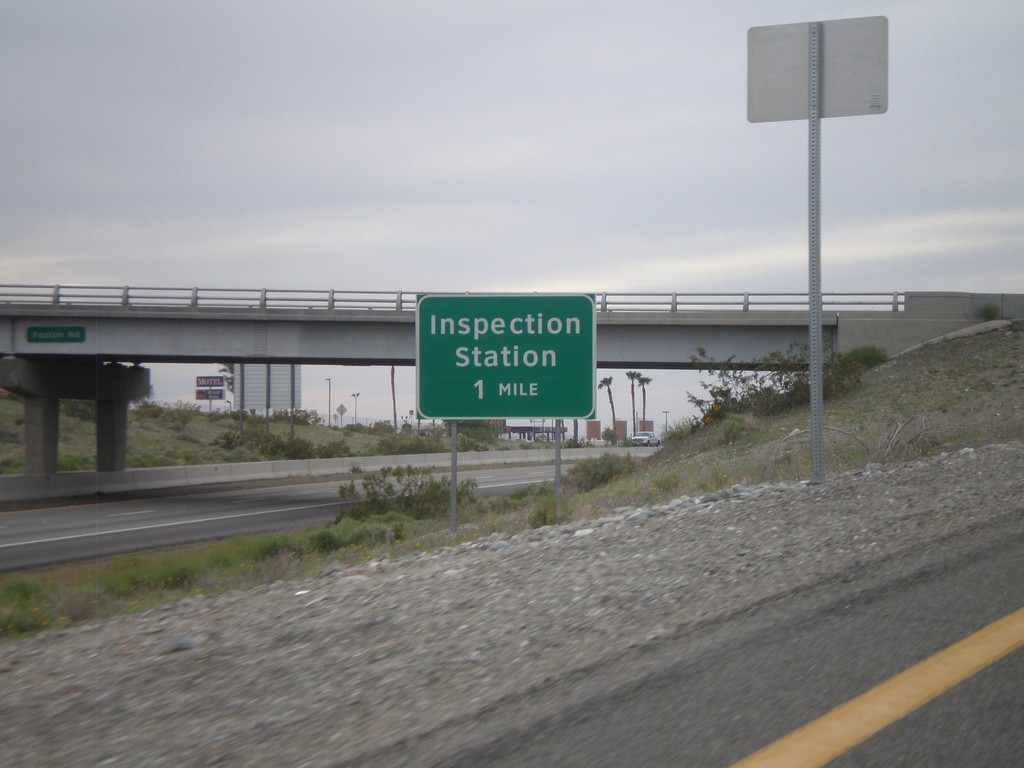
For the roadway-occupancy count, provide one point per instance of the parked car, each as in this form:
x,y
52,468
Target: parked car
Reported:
x,y
645,438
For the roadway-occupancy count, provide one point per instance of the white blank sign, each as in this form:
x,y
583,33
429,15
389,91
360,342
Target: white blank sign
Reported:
x,y
855,69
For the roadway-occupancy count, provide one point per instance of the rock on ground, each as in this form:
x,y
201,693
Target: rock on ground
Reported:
x,y
338,669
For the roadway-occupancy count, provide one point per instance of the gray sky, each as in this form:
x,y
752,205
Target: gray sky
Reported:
x,y
548,145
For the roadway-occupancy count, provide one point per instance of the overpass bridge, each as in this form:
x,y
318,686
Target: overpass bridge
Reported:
x,y
92,342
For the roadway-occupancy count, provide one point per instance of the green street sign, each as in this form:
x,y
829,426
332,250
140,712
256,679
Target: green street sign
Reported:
x,y
502,356
55,334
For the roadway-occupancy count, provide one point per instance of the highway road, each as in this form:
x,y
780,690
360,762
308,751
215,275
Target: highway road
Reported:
x,y
722,694
714,696
102,527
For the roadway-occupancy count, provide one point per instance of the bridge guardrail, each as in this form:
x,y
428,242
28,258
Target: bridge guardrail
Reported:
x,y
331,299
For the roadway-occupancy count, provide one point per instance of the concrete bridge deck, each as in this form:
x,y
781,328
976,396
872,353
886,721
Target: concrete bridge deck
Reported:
x,y
653,330
59,342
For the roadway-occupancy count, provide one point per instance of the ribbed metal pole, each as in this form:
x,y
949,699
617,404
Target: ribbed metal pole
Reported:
x,y
240,402
558,466
455,477
814,256
292,419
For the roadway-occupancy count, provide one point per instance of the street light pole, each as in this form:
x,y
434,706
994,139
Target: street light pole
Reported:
x,y
666,420
355,412
328,402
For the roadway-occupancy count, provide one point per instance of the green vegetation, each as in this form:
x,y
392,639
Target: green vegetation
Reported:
x,y
593,473
777,383
407,491
988,312
174,434
944,397
405,511
60,597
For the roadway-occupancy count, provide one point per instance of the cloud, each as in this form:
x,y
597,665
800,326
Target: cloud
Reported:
x,y
463,146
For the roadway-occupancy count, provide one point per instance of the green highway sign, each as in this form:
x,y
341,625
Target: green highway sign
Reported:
x,y
501,356
55,334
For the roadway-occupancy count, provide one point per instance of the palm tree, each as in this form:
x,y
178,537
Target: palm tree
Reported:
x,y
643,381
606,383
633,376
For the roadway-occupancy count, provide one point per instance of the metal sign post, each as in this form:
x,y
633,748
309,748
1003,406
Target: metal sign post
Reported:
x,y
807,72
814,256
455,477
558,465
501,356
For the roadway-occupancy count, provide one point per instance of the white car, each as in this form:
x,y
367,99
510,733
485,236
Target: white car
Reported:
x,y
645,438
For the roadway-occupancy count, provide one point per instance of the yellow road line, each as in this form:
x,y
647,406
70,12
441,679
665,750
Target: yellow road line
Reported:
x,y
831,735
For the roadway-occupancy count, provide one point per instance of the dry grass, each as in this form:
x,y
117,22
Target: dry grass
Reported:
x,y
967,392
963,392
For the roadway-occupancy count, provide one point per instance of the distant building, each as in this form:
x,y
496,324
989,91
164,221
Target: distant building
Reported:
x,y
534,431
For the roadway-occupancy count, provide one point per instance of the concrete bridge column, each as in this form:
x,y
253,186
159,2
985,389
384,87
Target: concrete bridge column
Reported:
x,y
44,384
111,435
42,416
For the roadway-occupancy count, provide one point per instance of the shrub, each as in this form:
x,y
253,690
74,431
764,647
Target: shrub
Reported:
x,y
410,491
469,443
588,474
271,446
12,466
228,440
73,462
733,427
17,600
988,312
667,482
866,357
347,532
304,417
83,410
325,541
180,414
776,383
677,432
398,443
545,512
333,449
480,430
148,409
149,460
170,573
275,546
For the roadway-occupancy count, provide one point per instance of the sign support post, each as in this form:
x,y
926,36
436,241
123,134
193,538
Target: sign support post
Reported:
x,y
240,400
505,356
558,466
814,256
455,477
809,71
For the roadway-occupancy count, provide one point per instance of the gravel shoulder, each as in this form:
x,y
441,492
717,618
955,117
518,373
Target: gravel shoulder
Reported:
x,y
360,666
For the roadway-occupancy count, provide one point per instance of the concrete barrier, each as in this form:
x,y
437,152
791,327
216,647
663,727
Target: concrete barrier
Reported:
x,y
82,484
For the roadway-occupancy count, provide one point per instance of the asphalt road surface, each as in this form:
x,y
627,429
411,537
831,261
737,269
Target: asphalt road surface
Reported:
x,y
710,698
99,528
723,694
